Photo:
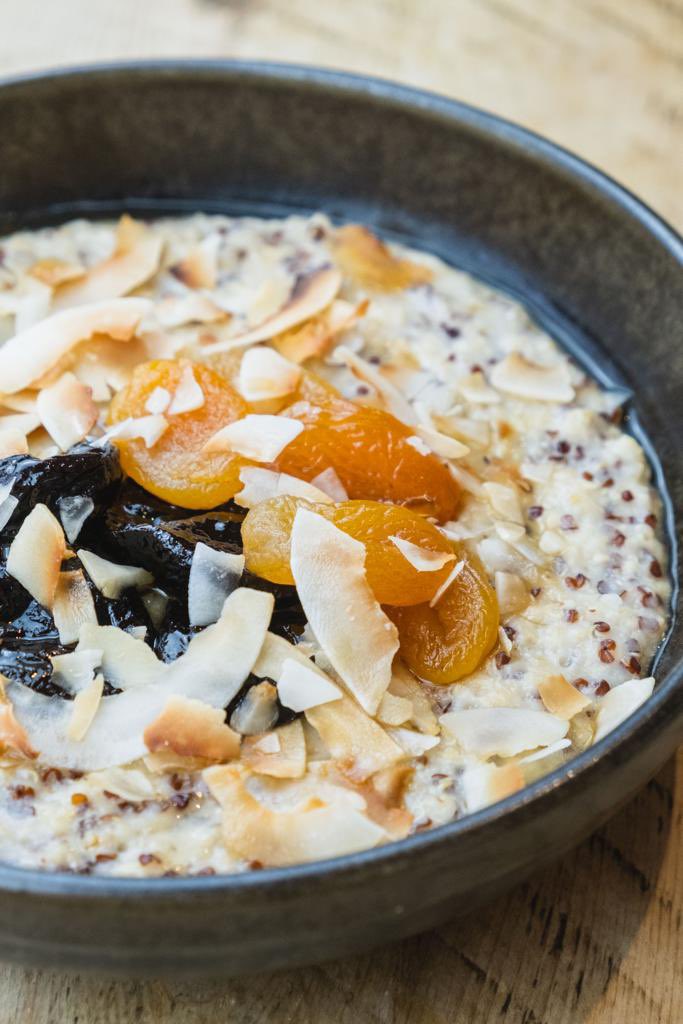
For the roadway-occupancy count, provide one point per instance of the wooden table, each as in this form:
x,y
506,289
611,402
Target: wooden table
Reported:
x,y
599,937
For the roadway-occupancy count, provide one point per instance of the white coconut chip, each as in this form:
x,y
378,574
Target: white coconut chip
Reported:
x,y
394,400
135,259
158,401
259,437
278,838
329,482
394,710
23,422
110,578
475,389
265,374
467,480
275,651
446,585
12,442
155,601
137,632
311,294
30,354
73,606
503,732
8,503
199,267
84,708
188,395
299,687
191,728
422,559
263,484
553,748
53,272
282,758
360,745
621,701
511,593
214,575
193,308
415,744
73,512
404,684
257,711
477,431
517,376
504,501
485,784
561,698
441,444
147,428
360,641
76,669
36,554
125,661
67,411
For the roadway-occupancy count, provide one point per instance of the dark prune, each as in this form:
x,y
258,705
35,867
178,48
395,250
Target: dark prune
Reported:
x,y
13,598
32,667
32,624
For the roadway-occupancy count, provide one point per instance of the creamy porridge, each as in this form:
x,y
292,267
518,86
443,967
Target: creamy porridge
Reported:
x,y
306,544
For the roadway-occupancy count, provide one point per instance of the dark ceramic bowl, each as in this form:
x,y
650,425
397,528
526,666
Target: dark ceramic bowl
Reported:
x,y
598,268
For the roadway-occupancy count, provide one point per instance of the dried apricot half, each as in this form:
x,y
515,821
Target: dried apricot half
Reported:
x,y
447,642
266,535
175,468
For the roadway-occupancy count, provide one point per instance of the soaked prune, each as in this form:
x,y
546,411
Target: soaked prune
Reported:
x,y
13,598
31,666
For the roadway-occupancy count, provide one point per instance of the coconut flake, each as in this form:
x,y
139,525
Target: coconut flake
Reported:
x,y
310,295
511,593
415,744
23,422
191,728
214,575
53,272
393,710
404,684
283,758
12,442
504,501
523,379
158,401
301,688
275,651
8,503
199,267
554,748
30,354
257,711
36,553
446,585
147,428
561,698
76,669
73,512
393,399
84,709
360,745
259,437
621,701
441,444
12,734
357,637
422,559
67,411
155,601
329,482
503,732
193,308
126,661
315,336
73,606
475,389
263,484
188,395
265,374
135,259
112,579
485,784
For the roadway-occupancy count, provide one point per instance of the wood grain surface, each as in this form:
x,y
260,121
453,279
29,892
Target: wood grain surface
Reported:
x,y
599,937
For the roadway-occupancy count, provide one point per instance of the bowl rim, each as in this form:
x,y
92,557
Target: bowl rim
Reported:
x,y
16,879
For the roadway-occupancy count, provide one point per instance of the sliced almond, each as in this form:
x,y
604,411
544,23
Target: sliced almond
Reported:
x,y
112,579
359,745
259,437
265,374
85,705
36,553
67,411
263,484
192,729
73,606
288,758
503,732
422,559
517,376
214,574
299,687
561,698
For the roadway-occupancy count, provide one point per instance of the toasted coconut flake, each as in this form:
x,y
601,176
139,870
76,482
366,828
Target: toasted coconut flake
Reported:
x,y
148,428
166,761
54,272
36,553
421,559
310,295
158,401
112,579
553,748
446,585
155,601
193,308
394,710
475,389
73,671
188,395
485,784
311,831
263,484
30,354
511,592
265,374
192,729
300,687
135,259
12,442
126,661
275,651
214,575
85,705
313,338
523,379
328,481
441,444
73,606
504,501
415,744
257,711
561,698
392,398
350,626
621,701
258,437
12,734
359,744
23,422
503,732
67,411
370,263
404,684
287,759
199,268
73,512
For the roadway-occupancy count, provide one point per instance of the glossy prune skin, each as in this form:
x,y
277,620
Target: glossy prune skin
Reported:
x,y
30,665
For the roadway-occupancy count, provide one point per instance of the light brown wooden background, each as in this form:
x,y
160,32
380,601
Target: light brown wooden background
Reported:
x,y
599,937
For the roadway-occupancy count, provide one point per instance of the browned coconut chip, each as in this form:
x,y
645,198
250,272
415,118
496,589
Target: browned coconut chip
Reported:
x,y
383,795
310,295
262,484
360,746
84,708
350,626
36,554
105,365
29,355
256,436
147,428
12,734
257,712
561,698
213,575
73,606
621,701
371,264
199,267
393,710
312,831
485,784
53,272
503,732
286,759
112,579
265,374
316,336
12,442
192,729
404,684
194,308
300,687
517,376
67,411
135,259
